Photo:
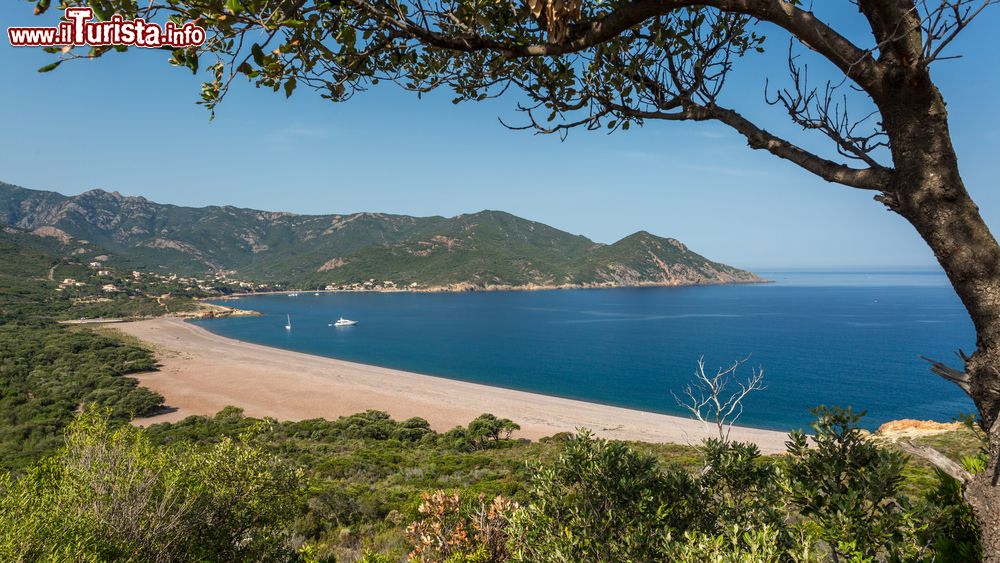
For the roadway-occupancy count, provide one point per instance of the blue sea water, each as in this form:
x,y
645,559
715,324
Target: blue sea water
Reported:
x,y
822,338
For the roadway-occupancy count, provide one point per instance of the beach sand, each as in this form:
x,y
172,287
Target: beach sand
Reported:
x,y
201,372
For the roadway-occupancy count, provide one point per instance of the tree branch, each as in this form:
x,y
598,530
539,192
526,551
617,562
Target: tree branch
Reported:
x,y
942,32
953,375
937,459
873,178
708,393
854,62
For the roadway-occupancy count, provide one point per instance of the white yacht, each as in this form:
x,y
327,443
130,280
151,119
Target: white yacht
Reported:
x,y
293,294
344,322
288,326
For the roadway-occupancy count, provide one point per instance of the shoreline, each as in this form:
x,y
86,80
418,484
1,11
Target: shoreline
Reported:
x,y
468,288
201,373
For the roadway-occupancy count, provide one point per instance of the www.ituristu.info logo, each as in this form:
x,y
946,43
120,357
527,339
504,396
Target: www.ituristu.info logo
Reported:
x,y
78,30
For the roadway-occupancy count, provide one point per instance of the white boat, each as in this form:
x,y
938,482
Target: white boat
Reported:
x,y
293,294
289,325
344,322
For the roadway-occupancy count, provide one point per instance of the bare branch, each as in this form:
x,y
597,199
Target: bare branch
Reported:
x,y
953,375
812,110
937,459
944,22
709,403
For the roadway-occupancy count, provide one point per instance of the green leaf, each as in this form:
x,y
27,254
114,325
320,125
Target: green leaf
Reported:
x,y
347,37
101,10
258,54
50,67
41,6
290,86
234,6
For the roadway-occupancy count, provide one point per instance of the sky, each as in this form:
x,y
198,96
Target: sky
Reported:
x,y
128,123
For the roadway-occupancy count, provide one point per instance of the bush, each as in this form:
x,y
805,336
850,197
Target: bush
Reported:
x,y
110,494
487,429
763,544
849,488
602,501
446,531
953,535
740,491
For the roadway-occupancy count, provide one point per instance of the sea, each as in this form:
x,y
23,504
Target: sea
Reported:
x,y
835,338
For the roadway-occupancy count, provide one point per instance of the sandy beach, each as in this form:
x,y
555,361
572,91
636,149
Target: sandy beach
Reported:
x,y
200,373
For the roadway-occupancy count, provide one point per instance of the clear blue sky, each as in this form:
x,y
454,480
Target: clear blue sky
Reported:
x,y
129,123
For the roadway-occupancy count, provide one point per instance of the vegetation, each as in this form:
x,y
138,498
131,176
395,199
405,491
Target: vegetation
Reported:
x,y
849,487
48,372
80,483
369,488
486,248
611,65
603,501
32,269
110,495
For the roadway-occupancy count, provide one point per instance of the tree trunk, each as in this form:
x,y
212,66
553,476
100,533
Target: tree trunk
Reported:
x,y
982,496
928,191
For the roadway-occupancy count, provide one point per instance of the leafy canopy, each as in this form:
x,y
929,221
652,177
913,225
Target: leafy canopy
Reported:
x,y
477,48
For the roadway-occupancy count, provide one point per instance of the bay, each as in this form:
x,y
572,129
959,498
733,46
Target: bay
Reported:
x,y
822,338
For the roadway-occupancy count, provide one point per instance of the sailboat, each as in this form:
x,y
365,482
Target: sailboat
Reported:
x,y
289,325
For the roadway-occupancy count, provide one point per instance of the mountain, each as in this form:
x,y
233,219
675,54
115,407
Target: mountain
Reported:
x,y
489,248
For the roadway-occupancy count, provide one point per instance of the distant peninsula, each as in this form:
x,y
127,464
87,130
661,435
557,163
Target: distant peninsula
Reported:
x,y
478,251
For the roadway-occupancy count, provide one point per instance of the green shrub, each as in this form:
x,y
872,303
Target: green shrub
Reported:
x,y
47,372
740,491
602,501
111,494
762,544
487,430
849,488
953,534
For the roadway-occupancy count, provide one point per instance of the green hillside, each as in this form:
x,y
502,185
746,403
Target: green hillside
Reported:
x,y
489,248
33,274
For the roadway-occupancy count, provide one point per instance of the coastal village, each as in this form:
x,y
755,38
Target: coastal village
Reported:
x,y
222,283
100,283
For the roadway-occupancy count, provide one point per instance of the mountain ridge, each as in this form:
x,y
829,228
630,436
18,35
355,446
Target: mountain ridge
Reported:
x,y
489,248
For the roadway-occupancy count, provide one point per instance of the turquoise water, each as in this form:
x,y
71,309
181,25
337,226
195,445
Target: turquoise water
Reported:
x,y
841,338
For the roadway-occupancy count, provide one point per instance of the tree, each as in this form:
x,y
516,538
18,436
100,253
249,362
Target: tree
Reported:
x,y
487,428
622,62
707,399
